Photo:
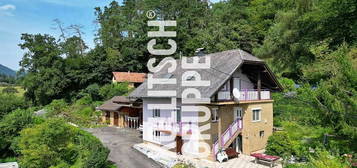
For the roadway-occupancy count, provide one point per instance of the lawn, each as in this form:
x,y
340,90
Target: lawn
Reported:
x,y
20,90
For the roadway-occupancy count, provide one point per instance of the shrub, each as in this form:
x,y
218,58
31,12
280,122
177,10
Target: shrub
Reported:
x,y
297,165
10,127
55,143
83,115
324,160
85,100
56,107
183,165
93,153
279,144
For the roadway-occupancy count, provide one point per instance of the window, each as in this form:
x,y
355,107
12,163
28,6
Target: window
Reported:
x,y
156,113
261,134
256,114
178,114
238,112
214,114
156,135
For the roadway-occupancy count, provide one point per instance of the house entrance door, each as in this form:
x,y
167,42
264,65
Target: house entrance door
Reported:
x,y
179,144
107,117
239,142
116,119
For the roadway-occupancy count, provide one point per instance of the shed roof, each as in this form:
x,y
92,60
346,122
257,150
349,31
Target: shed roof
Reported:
x,y
115,103
223,65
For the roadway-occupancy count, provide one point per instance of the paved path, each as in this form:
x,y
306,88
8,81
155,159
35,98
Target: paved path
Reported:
x,y
167,157
120,142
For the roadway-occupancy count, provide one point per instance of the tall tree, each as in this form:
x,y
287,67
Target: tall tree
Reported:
x,y
45,78
309,22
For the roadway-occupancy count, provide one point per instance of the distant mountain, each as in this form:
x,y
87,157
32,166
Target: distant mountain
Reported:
x,y
7,71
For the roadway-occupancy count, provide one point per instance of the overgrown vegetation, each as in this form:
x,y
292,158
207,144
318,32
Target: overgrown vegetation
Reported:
x,y
65,145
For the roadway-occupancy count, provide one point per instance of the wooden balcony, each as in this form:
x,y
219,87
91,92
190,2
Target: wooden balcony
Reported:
x,y
245,95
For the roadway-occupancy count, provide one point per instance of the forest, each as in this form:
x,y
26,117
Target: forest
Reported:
x,y
311,45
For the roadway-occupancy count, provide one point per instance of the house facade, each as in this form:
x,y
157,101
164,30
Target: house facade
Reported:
x,y
122,112
240,105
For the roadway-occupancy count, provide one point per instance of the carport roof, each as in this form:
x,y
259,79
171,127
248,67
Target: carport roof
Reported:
x,y
115,103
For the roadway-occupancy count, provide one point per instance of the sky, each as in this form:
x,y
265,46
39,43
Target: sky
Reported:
x,y
36,16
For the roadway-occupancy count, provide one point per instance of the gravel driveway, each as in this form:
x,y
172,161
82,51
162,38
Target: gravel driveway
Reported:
x,y
120,142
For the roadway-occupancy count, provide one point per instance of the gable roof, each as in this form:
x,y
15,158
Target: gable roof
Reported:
x,y
223,65
116,103
132,77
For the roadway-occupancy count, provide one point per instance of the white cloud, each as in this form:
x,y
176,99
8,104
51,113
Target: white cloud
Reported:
x,y
7,9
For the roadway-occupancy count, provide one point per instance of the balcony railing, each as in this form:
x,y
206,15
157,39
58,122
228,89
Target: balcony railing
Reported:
x,y
237,125
245,95
180,128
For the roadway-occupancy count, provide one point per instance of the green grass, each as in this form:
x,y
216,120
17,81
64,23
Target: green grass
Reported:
x,y
20,90
8,159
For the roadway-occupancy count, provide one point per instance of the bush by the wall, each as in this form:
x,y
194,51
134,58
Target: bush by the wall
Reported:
x,y
279,144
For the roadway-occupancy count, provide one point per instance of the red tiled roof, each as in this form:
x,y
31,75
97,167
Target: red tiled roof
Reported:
x,y
129,77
